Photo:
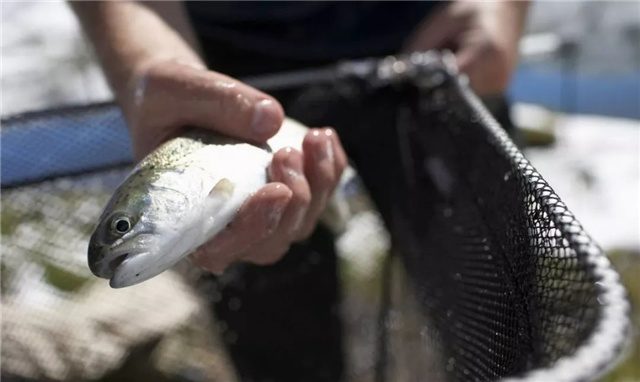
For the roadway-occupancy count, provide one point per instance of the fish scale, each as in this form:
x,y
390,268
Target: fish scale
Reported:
x,y
181,196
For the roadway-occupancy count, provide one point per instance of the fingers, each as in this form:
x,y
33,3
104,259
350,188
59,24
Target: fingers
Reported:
x,y
484,36
256,220
341,160
269,252
283,212
173,95
485,63
288,167
324,161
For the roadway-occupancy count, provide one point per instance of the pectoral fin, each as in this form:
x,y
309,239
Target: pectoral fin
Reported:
x,y
223,189
217,210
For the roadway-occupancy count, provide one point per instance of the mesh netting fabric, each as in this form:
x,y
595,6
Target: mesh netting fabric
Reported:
x,y
524,289
491,275
63,142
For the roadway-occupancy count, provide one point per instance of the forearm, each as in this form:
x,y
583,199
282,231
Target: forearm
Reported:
x,y
129,36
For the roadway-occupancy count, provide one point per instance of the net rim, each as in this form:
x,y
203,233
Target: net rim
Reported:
x,y
606,345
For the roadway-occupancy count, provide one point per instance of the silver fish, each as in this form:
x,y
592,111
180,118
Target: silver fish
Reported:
x,y
179,197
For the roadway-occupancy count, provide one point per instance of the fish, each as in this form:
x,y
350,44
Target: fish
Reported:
x,y
181,196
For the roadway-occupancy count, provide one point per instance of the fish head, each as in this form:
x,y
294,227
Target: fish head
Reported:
x,y
139,227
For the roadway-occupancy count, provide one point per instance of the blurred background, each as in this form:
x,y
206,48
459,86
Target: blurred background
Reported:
x,y
576,97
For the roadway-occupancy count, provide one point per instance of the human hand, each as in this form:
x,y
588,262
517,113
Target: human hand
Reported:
x,y
483,35
167,96
283,212
171,95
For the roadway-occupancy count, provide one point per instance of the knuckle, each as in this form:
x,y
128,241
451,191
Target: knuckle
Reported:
x,y
151,106
233,105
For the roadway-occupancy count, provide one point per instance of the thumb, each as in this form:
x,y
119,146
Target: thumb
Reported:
x,y
179,95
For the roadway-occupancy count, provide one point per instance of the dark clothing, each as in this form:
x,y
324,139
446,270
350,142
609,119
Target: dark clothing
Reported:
x,y
282,321
309,30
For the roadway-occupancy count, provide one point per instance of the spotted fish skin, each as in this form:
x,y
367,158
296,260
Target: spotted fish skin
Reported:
x,y
177,198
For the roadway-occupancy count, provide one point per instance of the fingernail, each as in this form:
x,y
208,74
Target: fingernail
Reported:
x,y
265,117
324,151
293,168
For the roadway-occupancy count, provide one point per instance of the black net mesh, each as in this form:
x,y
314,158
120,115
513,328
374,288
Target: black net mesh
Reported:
x,y
490,275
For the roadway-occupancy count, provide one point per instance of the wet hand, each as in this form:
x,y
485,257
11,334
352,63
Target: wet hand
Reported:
x,y
283,212
483,35
171,95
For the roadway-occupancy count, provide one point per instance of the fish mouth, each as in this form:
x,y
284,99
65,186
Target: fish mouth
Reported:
x,y
107,268
115,263
131,270
121,271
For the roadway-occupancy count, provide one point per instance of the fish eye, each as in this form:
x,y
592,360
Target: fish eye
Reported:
x,y
121,225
